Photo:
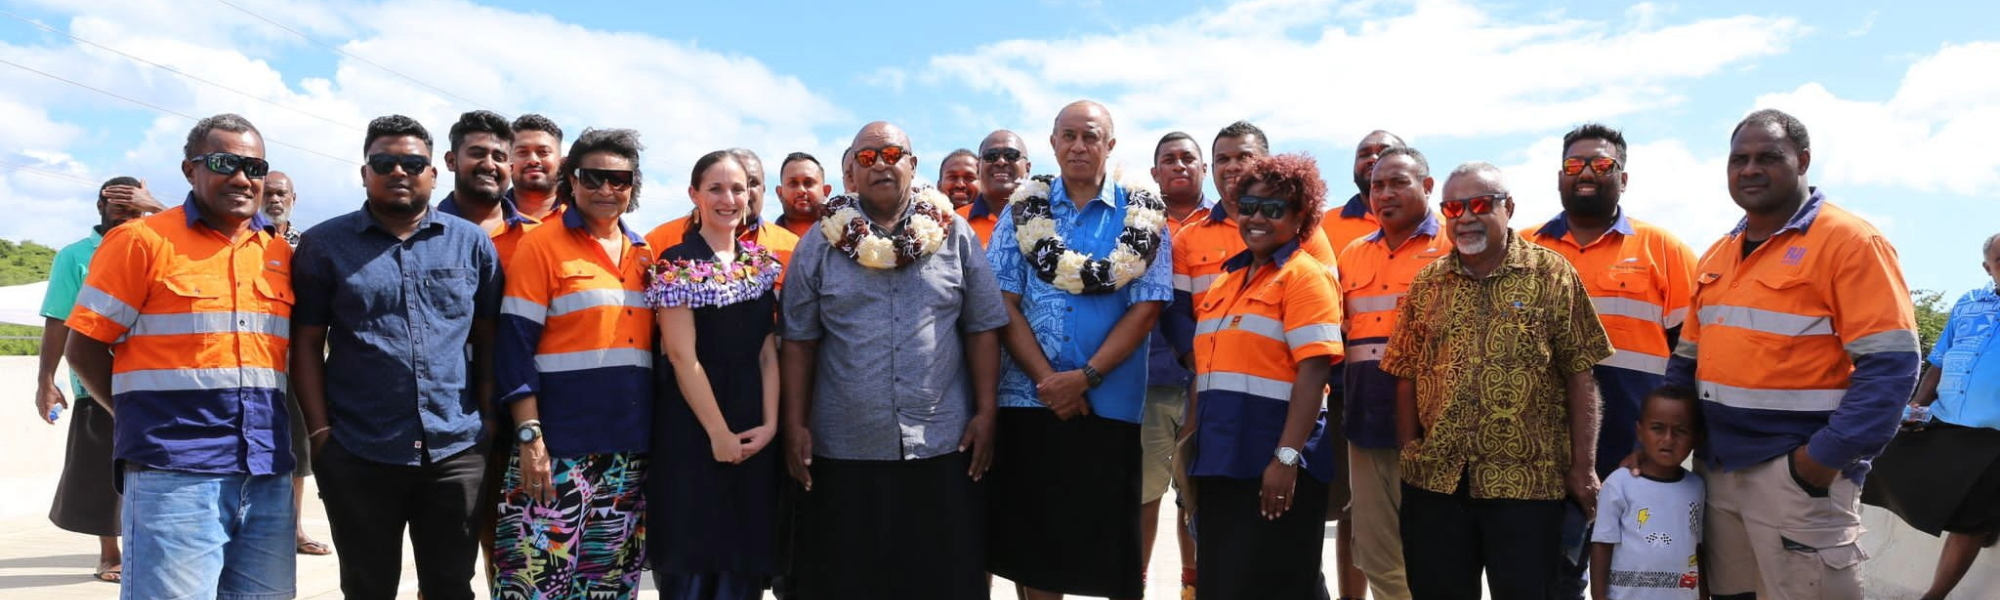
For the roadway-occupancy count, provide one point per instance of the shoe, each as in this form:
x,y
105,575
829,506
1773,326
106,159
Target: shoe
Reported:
x,y
314,548
110,574
1187,592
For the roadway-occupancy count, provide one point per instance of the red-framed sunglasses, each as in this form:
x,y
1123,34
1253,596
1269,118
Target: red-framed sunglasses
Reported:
x,y
1573,166
888,154
1478,205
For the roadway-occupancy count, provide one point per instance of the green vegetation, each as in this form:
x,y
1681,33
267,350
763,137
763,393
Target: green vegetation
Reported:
x,y
1932,311
27,347
23,262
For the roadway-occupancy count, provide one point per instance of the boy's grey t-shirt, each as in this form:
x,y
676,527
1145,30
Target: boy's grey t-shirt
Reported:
x,y
1656,526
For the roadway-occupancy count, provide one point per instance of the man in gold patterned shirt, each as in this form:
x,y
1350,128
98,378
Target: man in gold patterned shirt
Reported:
x,y
1496,408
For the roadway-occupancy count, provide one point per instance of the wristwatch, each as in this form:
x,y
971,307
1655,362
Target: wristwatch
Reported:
x,y
1091,377
1289,457
529,431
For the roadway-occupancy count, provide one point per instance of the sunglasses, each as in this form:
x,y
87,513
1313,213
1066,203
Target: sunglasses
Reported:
x,y
1271,208
412,164
596,178
994,155
1479,205
227,165
1601,164
888,154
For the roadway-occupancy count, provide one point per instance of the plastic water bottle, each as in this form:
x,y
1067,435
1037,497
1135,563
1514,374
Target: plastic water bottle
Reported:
x,y
55,412
1913,414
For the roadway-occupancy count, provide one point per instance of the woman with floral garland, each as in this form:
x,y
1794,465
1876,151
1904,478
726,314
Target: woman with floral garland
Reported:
x,y
1268,332
713,494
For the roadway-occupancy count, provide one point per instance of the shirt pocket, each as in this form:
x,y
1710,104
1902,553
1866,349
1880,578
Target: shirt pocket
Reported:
x,y
448,292
1519,334
202,292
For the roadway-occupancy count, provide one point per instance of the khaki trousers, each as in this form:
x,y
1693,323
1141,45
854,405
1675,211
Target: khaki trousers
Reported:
x,y
1376,476
1767,533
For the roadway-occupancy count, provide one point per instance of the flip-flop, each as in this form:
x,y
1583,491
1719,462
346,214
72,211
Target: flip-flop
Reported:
x,y
314,548
111,574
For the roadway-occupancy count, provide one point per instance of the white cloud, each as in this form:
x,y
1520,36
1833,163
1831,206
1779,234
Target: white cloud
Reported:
x,y
1669,186
685,100
1934,134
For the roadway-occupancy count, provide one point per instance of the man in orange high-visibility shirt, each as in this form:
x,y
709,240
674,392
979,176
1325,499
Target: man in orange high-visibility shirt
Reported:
x,y
1803,349
182,327
1638,276
1353,220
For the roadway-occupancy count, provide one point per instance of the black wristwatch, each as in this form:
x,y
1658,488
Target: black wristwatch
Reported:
x,y
1091,377
529,431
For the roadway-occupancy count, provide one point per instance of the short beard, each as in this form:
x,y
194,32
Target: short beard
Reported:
x,y
1600,206
1472,248
539,188
391,208
462,188
1361,183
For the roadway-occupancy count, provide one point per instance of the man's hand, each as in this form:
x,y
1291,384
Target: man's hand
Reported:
x,y
1063,392
536,477
798,454
1820,476
978,439
1631,463
50,395
133,197
1279,483
1583,486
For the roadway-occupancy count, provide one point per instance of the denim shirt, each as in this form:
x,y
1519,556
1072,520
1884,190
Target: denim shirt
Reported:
x,y
1071,327
399,315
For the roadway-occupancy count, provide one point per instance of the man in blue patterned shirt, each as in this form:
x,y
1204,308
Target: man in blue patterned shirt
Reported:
x,y
1065,479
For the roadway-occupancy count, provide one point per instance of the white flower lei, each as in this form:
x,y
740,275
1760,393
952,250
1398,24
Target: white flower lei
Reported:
x,y
847,230
1076,272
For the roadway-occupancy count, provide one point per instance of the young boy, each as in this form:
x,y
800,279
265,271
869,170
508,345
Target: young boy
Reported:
x,y
1646,545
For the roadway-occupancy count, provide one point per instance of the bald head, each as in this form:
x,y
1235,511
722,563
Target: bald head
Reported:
x,y
1001,138
278,197
1088,109
883,184
1003,165
1083,140
878,133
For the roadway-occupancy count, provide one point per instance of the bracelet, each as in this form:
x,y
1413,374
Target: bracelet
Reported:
x,y
316,432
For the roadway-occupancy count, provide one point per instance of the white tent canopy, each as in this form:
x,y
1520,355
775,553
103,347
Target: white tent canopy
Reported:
x,y
22,304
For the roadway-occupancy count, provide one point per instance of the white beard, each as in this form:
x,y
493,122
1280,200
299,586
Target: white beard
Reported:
x,y
1475,246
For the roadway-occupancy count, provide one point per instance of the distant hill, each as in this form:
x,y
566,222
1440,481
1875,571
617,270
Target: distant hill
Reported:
x,y
24,262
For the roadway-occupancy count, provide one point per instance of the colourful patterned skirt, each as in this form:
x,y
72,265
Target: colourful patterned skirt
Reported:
x,y
589,545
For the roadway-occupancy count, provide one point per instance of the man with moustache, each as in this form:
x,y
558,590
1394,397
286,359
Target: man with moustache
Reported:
x,y
1354,219
958,177
1639,277
537,155
480,163
1066,490
278,199
889,397
1003,165
1178,169
1803,350
1375,273
779,240
407,297
179,331
802,192
1496,408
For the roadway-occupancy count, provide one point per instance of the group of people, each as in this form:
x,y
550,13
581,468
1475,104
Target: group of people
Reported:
x,y
903,390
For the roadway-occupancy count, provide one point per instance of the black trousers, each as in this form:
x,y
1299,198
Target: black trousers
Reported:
x,y
369,504
1448,539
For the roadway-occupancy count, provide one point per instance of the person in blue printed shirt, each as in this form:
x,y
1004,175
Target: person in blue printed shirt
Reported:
x,y
1942,473
1084,291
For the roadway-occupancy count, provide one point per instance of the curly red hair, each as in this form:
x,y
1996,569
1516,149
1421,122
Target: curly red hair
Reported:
x,y
1295,176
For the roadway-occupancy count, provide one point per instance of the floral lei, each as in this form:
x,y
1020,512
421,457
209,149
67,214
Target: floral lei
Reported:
x,y
1076,272
696,283
847,230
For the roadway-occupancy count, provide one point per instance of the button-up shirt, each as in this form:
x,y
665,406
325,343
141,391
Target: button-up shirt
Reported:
x,y
1491,357
890,380
1070,327
66,275
1373,279
400,311
199,325
1969,386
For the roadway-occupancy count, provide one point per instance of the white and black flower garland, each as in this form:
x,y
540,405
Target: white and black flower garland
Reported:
x,y
847,230
1075,272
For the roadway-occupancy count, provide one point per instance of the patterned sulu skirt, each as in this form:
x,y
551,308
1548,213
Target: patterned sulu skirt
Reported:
x,y
588,545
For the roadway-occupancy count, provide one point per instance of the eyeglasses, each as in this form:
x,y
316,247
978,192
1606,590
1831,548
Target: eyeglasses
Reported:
x,y
1479,205
596,178
889,154
1573,166
412,164
994,155
1271,208
227,165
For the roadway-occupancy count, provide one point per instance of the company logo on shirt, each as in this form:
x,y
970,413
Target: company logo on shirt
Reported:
x,y
1794,255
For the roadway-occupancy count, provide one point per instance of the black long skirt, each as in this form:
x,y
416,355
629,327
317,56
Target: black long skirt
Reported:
x,y
1065,504
1243,555
891,530
1940,478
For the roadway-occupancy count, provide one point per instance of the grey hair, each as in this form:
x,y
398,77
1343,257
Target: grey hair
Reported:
x,y
1983,248
1479,168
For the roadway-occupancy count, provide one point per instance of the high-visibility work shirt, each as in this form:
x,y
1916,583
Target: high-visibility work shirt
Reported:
x,y
982,219
199,326
1639,278
1200,249
1373,279
1810,340
576,334
1255,327
1349,222
1163,363
515,225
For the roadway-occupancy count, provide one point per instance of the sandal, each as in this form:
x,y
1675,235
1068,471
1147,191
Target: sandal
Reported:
x,y
314,548
110,574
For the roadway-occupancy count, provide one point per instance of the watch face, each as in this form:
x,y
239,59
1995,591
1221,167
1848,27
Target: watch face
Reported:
x,y
1288,456
525,434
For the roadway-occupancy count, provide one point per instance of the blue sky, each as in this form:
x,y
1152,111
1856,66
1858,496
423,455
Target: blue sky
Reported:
x,y
1899,101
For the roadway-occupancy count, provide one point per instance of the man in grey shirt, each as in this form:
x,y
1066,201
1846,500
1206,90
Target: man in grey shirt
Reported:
x,y
891,367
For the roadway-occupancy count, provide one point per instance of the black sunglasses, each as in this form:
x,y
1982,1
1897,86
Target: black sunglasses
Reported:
x,y
1272,208
994,155
412,164
596,178
226,164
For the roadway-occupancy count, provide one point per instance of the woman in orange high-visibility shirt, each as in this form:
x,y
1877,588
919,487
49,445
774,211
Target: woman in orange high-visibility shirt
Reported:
x,y
1266,334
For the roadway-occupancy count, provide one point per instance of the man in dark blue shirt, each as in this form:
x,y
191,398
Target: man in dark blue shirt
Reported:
x,y
397,303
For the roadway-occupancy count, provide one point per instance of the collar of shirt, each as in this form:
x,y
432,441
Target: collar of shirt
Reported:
x,y
428,221
508,213
1203,209
257,220
574,220
1801,220
979,208
1516,258
1107,194
1278,257
1559,226
1428,227
1356,208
